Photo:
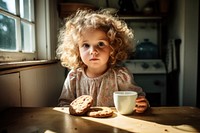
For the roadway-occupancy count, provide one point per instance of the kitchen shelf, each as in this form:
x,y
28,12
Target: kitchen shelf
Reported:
x,y
140,17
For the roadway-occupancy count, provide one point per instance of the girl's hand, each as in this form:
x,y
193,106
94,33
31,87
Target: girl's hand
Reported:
x,y
141,104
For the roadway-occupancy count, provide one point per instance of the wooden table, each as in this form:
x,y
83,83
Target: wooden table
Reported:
x,y
44,120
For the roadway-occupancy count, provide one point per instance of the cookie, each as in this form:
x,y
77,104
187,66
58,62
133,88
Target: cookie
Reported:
x,y
80,105
100,112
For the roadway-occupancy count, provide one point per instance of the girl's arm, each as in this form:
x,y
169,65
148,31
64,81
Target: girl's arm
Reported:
x,y
69,90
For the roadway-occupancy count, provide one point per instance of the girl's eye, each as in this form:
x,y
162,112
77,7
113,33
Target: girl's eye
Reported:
x,y
101,44
86,45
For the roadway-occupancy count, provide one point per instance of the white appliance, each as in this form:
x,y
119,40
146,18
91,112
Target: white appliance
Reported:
x,y
155,66
151,76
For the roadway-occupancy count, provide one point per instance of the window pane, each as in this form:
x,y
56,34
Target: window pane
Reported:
x,y
27,37
25,9
8,5
7,33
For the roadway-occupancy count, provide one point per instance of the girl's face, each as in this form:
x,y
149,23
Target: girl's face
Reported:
x,y
94,49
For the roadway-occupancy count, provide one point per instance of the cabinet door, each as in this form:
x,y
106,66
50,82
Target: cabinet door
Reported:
x,y
42,86
33,84
9,90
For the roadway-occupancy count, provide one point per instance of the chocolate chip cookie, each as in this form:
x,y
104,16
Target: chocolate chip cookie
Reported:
x,y
80,105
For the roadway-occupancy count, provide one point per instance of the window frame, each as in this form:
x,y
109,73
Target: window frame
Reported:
x,y
19,54
47,24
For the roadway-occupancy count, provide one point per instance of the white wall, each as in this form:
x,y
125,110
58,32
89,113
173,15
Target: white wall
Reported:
x,y
184,25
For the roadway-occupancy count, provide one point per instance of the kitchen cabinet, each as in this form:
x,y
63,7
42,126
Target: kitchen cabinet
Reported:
x,y
41,86
35,86
9,90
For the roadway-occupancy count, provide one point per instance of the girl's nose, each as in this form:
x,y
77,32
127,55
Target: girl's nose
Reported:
x,y
93,50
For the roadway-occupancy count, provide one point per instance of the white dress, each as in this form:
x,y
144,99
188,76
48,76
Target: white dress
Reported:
x,y
100,88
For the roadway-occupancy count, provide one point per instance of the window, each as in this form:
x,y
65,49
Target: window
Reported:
x,y
17,30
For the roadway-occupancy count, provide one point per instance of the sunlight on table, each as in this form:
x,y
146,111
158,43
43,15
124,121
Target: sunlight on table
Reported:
x,y
129,123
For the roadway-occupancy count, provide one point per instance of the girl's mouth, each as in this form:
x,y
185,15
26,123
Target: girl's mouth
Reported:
x,y
94,59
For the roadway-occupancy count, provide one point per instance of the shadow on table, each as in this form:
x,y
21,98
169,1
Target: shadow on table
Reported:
x,y
186,117
47,120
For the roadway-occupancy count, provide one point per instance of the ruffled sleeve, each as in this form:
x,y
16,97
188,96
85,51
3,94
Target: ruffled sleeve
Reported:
x,y
69,89
126,81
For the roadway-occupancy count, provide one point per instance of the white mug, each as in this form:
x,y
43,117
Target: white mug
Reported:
x,y
125,101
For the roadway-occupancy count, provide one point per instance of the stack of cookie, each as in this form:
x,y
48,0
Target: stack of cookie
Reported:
x,y
82,106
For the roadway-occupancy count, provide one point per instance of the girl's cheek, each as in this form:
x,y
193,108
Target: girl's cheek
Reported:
x,y
84,54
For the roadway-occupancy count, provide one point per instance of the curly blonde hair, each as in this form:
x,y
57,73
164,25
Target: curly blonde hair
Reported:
x,y
120,36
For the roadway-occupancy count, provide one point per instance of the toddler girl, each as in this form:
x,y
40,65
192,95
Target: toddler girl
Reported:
x,y
92,44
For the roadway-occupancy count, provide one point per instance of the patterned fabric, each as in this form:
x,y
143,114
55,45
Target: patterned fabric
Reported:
x,y
100,88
